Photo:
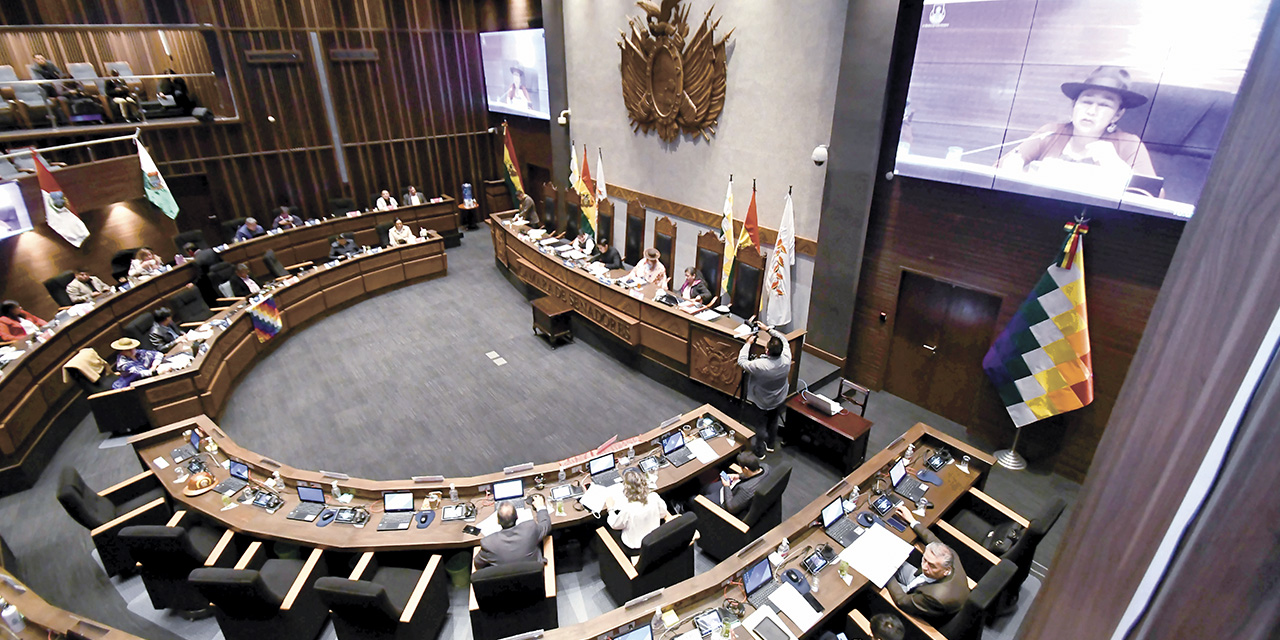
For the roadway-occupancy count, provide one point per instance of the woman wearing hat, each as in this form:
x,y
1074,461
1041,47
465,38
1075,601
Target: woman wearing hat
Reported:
x,y
1091,137
133,363
518,94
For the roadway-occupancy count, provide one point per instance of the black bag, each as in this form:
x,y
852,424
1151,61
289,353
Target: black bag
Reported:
x,y
1003,537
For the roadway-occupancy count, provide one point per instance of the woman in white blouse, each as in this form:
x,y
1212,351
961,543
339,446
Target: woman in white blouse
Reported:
x,y
400,234
642,512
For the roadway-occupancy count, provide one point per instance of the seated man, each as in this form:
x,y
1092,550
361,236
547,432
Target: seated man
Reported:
x,y
134,364
938,589
164,334
85,287
385,202
515,542
249,230
285,219
735,495
343,247
527,210
884,626
649,270
412,197
608,255
584,243
242,284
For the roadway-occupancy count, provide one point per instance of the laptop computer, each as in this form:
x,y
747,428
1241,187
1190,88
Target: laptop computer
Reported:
x,y
508,490
187,450
239,479
759,583
840,528
312,504
642,632
398,508
904,484
602,470
674,450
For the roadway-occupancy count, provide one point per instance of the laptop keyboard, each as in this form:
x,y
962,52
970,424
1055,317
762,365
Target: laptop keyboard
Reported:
x,y
306,511
680,456
607,478
911,489
396,520
182,453
843,531
760,597
230,486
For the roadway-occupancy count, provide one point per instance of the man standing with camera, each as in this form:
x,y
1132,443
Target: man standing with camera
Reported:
x,y
767,383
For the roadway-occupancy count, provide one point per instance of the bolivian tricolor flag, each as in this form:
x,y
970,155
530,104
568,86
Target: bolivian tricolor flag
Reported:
x,y
514,183
586,189
266,319
1041,363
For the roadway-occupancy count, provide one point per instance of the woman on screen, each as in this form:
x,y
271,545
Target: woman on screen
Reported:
x,y
518,94
1091,137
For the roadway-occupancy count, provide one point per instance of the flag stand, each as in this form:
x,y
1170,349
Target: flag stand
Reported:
x,y
1009,458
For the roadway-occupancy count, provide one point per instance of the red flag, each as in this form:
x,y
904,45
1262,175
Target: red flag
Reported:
x,y
57,207
586,173
750,235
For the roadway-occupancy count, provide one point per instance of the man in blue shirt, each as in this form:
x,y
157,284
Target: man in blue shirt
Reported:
x,y
133,364
249,230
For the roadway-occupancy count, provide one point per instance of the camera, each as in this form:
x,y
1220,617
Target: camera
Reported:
x,y
819,156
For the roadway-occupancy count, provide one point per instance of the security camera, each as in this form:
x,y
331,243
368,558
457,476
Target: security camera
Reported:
x,y
563,120
819,156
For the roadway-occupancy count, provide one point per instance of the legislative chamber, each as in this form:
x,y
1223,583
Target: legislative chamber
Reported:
x,y
497,319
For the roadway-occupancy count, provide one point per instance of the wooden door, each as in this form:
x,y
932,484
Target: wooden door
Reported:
x,y
940,334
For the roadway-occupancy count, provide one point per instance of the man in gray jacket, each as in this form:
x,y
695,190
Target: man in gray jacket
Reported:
x,y
767,383
515,542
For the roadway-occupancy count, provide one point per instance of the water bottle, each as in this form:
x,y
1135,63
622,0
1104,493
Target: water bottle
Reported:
x,y
561,476
784,548
631,452
453,492
12,617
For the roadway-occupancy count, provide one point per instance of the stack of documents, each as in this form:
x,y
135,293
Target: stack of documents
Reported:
x,y
877,554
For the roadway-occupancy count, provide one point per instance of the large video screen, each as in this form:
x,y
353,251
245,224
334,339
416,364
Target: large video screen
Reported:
x,y
1104,102
14,218
515,72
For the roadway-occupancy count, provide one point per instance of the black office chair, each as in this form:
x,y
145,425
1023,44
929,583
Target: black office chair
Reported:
x,y
274,268
666,557
230,227
981,522
57,288
206,258
250,604
167,555
379,608
509,599
968,623
384,233
189,308
723,534
120,262
194,236
140,500
339,207
139,328
115,411
218,274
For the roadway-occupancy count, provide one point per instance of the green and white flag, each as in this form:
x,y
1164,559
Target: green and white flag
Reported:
x,y
154,185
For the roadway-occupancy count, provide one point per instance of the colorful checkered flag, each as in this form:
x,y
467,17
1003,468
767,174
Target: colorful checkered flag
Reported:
x,y
1041,363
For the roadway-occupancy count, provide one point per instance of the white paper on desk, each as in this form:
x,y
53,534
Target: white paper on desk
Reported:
x,y
690,635
760,615
575,255
708,315
742,330
200,334
161,463
490,525
596,495
877,554
790,602
701,450
548,241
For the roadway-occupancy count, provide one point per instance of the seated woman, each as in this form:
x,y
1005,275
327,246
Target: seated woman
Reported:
x,y
1091,137
693,288
399,234
16,323
119,92
144,262
133,364
636,518
650,271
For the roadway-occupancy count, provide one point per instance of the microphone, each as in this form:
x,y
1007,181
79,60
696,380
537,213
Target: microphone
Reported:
x,y
1043,134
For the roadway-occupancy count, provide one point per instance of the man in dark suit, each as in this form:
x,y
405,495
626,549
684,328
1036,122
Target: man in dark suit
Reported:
x,y
46,70
515,542
736,494
164,335
608,255
937,590
242,284
343,247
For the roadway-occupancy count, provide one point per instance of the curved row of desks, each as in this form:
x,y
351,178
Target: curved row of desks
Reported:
x,y
44,621
33,394
703,351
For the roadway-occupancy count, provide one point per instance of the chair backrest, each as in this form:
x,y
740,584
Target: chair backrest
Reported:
x,y
968,621
230,227
120,262
125,70
220,273
31,94
85,73
768,494
239,593
360,603
1024,549
384,233
748,281
162,551
709,260
664,240
340,206
509,586
633,233
8,170
83,504
274,267
57,287
139,328
189,306
194,236
666,541
549,196
206,258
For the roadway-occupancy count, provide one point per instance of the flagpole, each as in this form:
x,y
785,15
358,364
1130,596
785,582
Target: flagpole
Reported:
x,y
73,145
1009,458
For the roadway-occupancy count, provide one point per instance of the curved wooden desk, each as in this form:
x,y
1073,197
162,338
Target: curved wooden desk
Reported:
x,y
43,618
257,523
699,350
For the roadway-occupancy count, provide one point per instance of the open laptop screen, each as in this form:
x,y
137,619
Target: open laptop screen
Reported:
x,y
398,501
601,464
755,577
898,472
832,512
639,633
239,470
311,494
672,441
508,489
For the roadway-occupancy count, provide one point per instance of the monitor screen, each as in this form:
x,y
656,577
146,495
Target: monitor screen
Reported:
x,y
239,470
672,441
508,489
639,633
14,218
515,72
195,440
311,494
601,464
898,472
1117,104
832,512
758,574
398,501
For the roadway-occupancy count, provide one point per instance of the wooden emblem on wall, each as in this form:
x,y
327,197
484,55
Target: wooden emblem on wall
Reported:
x,y
669,86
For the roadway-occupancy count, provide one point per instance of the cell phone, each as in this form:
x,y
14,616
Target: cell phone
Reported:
x,y
724,477
470,530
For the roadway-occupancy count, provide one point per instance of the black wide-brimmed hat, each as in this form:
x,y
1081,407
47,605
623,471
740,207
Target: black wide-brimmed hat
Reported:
x,y
518,70
1113,79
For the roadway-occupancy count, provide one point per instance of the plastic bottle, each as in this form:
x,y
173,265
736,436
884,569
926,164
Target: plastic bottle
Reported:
x,y
13,618
453,492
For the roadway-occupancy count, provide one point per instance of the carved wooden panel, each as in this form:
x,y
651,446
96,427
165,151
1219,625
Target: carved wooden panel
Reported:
x,y
664,240
673,348
713,360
